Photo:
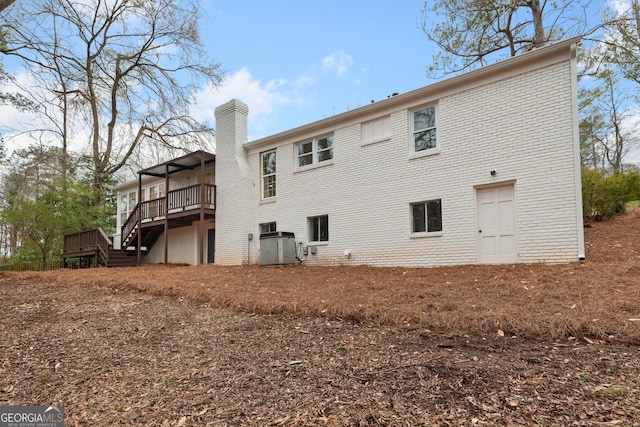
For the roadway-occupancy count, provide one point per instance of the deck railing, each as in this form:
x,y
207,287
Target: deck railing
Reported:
x,y
87,241
180,199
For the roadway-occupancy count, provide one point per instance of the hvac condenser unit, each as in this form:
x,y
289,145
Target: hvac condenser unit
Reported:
x,y
277,248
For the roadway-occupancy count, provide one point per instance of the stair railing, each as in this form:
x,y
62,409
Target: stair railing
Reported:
x,y
103,245
129,226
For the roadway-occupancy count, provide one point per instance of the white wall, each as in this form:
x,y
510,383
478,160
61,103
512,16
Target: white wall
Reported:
x,y
183,246
520,126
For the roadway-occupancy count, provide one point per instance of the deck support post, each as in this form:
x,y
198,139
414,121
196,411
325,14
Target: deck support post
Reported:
x,y
201,227
139,220
166,214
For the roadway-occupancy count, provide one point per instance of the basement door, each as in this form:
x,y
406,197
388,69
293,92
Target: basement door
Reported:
x,y
496,225
211,246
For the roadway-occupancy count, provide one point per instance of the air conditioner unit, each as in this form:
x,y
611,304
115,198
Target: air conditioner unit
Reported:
x,y
277,248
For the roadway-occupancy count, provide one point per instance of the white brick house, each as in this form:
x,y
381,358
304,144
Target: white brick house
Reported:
x,y
479,168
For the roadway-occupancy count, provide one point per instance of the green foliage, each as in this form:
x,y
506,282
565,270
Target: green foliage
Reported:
x,y
39,207
605,196
44,220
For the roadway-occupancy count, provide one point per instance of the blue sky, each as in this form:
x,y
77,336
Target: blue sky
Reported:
x,y
294,62
297,61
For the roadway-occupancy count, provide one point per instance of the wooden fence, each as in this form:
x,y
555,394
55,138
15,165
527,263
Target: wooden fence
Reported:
x,y
32,266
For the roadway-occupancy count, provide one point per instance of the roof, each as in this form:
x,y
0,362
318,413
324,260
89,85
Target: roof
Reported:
x,y
188,161
535,58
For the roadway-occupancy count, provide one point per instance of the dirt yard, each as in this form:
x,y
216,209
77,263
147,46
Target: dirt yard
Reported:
x,y
531,345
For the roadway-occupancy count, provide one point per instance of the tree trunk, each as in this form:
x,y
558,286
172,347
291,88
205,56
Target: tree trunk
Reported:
x,y
635,7
615,160
538,26
5,3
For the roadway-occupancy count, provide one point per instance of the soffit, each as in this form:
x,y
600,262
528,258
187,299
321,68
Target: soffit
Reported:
x,y
189,161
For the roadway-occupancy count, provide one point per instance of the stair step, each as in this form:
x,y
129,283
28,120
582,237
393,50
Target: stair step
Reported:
x,y
118,258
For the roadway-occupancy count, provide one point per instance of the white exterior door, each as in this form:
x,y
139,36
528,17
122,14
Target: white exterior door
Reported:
x,y
496,225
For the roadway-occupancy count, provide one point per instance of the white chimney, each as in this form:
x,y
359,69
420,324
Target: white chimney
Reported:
x,y
234,185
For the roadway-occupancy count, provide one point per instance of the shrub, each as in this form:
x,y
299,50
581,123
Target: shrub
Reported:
x,y
604,196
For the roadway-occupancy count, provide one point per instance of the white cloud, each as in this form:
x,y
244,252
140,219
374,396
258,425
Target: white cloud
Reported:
x,y
16,124
338,61
620,6
264,99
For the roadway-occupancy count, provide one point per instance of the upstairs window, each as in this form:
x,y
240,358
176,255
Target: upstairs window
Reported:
x,y
153,192
424,129
319,228
315,151
268,168
426,216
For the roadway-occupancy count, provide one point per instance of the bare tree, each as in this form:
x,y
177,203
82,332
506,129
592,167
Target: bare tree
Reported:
x,y
618,44
611,66
606,132
124,70
470,32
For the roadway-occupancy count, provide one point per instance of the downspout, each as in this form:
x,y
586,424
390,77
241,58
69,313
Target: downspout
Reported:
x,y
576,153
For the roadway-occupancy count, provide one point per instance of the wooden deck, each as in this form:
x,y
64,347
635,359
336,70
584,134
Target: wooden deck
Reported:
x,y
93,248
148,221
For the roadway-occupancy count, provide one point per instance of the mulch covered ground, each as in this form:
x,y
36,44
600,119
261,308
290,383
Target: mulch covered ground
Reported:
x,y
301,346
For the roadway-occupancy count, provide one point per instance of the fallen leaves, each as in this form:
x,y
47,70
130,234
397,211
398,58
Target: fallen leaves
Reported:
x,y
169,346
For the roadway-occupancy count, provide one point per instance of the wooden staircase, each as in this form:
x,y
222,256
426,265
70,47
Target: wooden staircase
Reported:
x,y
149,237
120,258
149,219
93,248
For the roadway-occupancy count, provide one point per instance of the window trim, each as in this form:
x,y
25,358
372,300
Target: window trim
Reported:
x,y
263,225
263,175
315,152
412,142
426,231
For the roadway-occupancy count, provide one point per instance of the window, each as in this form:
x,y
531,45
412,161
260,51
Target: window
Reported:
x,y
124,208
376,130
424,129
426,216
267,227
319,228
156,192
269,174
127,204
314,152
